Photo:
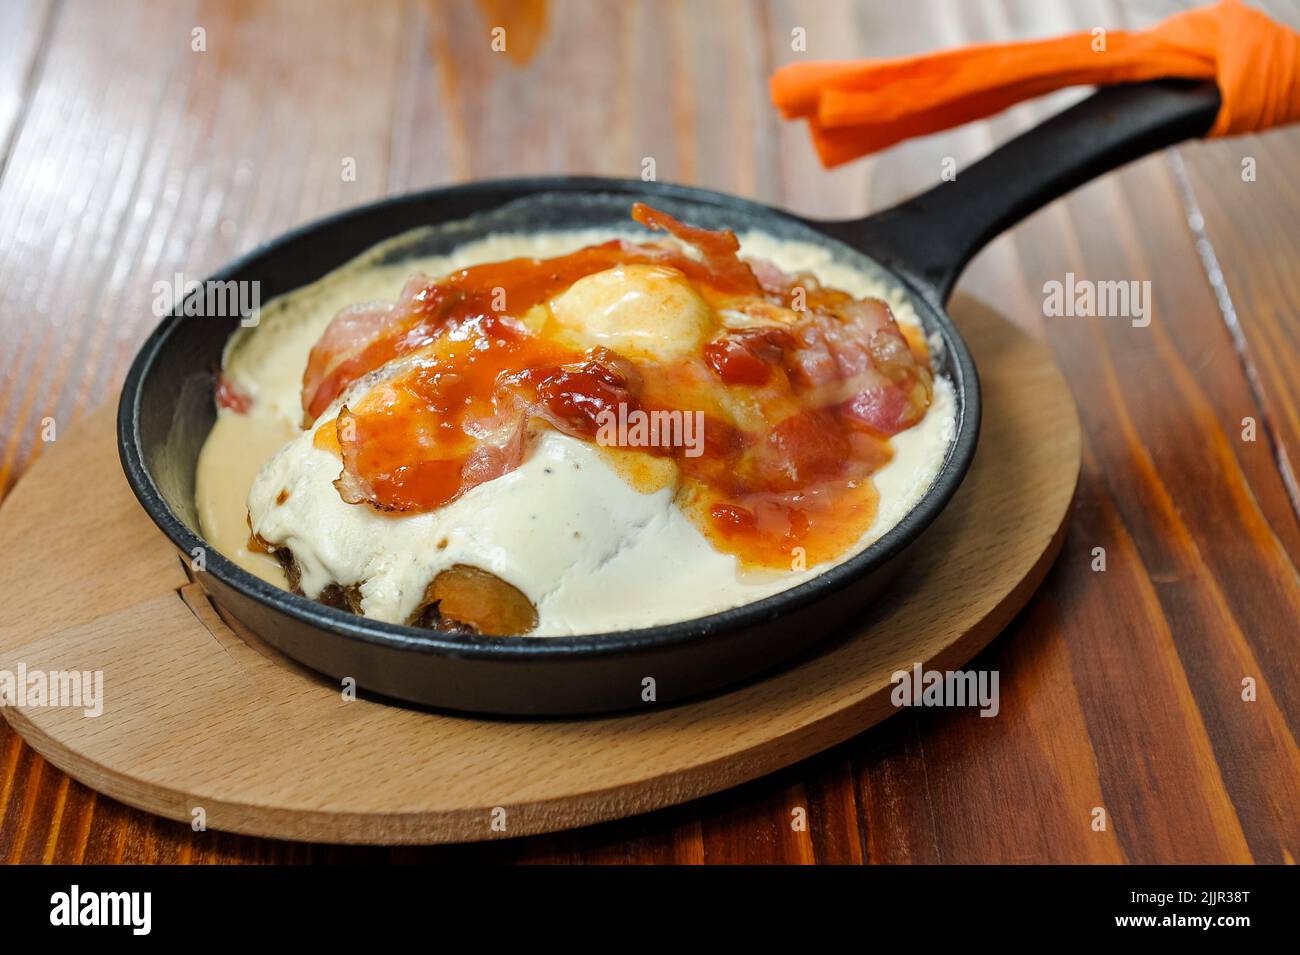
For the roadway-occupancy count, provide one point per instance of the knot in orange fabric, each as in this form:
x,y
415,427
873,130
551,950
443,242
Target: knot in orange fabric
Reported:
x,y
858,107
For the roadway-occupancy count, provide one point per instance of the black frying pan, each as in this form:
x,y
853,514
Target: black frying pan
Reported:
x,y
167,410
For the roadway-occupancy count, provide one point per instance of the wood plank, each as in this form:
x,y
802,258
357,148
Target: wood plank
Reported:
x,y
24,30
1149,419
1248,231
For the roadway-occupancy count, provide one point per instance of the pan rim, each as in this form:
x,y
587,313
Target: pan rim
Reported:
x,y
616,643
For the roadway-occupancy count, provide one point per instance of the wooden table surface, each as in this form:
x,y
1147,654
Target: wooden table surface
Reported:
x,y
126,155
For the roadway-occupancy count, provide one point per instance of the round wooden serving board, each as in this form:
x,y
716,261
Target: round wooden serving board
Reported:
x,y
200,715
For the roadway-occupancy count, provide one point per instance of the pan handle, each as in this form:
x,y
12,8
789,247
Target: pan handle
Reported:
x,y
930,237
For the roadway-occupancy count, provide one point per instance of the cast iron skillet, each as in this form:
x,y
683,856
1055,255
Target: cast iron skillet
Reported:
x,y
167,409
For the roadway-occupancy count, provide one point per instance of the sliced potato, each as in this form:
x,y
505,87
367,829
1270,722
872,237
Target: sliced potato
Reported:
x,y
475,598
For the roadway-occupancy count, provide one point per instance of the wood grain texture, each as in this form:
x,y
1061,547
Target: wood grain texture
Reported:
x,y
198,714
1121,690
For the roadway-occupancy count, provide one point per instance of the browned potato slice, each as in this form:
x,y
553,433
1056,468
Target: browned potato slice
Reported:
x,y
476,598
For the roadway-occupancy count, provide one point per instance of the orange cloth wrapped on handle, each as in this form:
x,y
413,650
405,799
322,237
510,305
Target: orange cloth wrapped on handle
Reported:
x,y
859,107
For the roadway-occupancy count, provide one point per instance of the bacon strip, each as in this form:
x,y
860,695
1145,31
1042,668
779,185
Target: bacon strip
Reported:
x,y
849,354
335,358
422,479
411,446
231,397
573,396
726,270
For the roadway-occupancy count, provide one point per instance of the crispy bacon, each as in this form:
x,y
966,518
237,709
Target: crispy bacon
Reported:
x,y
727,271
573,396
848,354
231,397
336,358
904,396
834,347
747,356
799,450
421,478
416,450
771,277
